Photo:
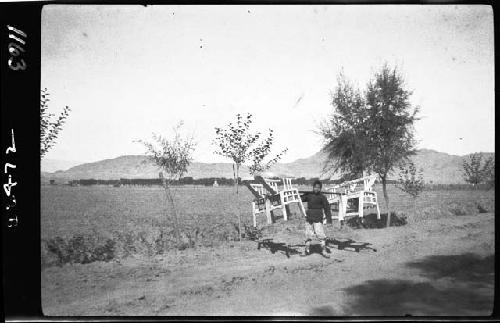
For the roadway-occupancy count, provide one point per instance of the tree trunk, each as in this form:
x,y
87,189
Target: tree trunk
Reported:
x,y
236,175
165,219
170,198
386,198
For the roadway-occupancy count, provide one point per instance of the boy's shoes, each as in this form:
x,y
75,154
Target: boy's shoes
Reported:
x,y
324,253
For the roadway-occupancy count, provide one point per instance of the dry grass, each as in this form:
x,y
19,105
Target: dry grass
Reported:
x,y
86,224
432,204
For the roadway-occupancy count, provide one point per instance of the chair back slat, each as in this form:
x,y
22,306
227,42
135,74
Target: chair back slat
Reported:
x,y
259,188
273,183
287,184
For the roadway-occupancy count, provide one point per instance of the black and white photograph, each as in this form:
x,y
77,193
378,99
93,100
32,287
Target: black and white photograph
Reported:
x,y
266,160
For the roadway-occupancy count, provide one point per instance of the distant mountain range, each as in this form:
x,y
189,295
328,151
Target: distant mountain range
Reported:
x,y
52,165
438,167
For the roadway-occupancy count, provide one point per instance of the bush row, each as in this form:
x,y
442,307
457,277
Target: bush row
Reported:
x,y
95,246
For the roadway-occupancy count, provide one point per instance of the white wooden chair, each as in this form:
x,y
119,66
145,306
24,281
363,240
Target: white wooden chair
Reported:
x,y
259,204
264,202
267,201
347,191
288,195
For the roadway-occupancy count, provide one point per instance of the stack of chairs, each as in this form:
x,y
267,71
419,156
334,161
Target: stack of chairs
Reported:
x,y
269,197
343,193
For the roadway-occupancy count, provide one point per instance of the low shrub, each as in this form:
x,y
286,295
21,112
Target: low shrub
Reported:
x,y
458,210
370,221
252,233
80,249
481,209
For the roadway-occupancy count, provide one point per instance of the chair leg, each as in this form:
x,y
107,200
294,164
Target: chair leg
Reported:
x,y
302,209
360,205
283,208
268,211
254,215
287,209
343,209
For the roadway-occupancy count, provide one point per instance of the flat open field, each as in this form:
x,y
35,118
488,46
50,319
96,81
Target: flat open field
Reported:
x,y
101,256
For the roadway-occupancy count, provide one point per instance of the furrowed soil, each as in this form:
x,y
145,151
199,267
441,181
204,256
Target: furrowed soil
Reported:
x,y
434,266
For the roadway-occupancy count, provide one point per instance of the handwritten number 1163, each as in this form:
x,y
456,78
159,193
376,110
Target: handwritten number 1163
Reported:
x,y
15,61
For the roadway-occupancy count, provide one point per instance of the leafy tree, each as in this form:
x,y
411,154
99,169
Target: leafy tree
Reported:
x,y
476,172
410,180
260,152
490,174
345,131
371,132
173,158
50,126
240,144
390,124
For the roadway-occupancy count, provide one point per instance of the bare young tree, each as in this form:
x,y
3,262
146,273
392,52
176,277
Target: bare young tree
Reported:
x,y
173,158
50,127
240,144
260,152
475,171
411,180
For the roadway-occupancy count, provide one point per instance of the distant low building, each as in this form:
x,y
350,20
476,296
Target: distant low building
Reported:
x,y
215,184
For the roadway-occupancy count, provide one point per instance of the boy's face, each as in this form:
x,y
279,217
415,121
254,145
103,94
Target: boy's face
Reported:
x,y
317,188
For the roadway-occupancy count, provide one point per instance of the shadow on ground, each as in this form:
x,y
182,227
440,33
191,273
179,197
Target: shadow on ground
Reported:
x,y
467,268
458,285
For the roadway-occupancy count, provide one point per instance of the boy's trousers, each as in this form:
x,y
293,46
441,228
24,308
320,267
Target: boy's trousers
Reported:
x,y
315,229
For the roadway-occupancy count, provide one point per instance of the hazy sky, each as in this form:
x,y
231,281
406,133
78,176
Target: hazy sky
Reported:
x,y
128,71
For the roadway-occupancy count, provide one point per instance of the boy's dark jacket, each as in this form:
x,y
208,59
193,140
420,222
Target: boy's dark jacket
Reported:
x,y
316,204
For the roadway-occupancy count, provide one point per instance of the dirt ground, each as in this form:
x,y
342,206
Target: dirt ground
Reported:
x,y
435,267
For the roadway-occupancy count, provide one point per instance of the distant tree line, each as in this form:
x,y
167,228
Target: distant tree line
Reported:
x,y
209,181
310,181
456,187
222,181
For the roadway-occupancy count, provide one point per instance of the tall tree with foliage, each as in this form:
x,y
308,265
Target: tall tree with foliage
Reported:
x,y
490,174
172,156
238,142
50,126
390,124
345,131
475,171
371,132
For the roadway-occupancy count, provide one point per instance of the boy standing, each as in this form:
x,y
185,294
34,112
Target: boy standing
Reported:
x,y
316,204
